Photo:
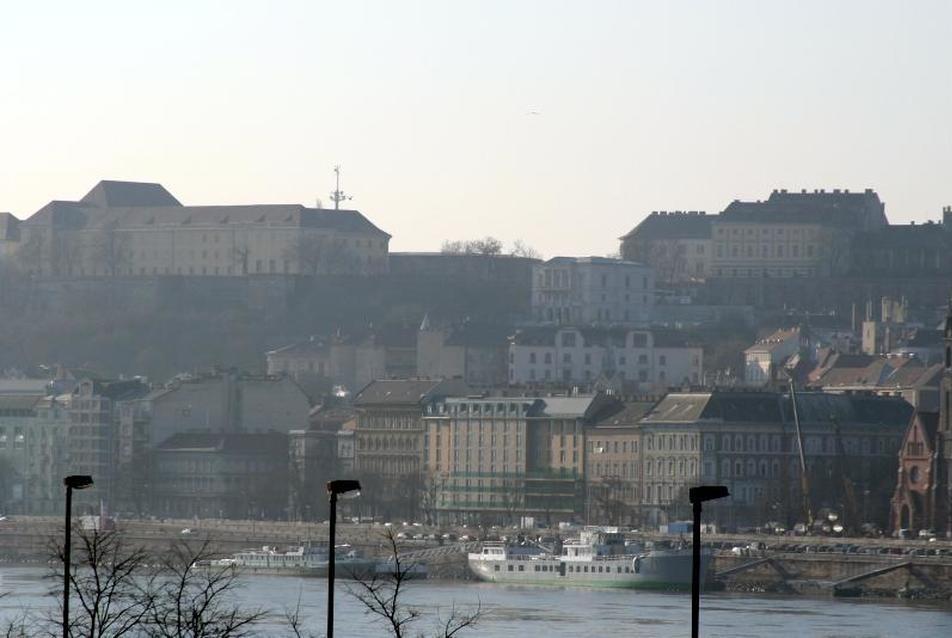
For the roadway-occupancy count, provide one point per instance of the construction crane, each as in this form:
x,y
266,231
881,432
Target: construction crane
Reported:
x,y
804,479
849,492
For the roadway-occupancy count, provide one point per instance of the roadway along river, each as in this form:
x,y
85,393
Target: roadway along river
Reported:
x,y
552,612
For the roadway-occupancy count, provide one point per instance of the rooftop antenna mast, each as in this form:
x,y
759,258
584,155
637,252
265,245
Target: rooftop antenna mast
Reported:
x,y
338,195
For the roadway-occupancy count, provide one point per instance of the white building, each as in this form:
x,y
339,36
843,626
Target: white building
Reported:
x,y
653,361
589,290
764,358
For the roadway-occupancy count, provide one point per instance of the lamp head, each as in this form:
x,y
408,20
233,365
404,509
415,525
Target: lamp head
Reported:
x,y
703,493
343,486
78,481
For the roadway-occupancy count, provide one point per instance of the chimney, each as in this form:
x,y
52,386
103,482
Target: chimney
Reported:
x,y
947,217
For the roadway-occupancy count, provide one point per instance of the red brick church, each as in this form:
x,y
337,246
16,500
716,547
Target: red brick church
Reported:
x,y
923,496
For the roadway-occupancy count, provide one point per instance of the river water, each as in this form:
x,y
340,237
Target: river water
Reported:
x,y
512,611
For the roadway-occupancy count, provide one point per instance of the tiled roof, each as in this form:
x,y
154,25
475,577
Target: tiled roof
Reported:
x,y
122,205
408,391
772,407
268,443
673,225
112,194
857,210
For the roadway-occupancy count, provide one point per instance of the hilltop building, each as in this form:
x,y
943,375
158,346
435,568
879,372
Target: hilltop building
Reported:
x,y
676,243
790,234
592,290
139,229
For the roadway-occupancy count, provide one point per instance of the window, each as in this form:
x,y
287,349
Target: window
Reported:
x,y
532,357
662,360
548,357
568,339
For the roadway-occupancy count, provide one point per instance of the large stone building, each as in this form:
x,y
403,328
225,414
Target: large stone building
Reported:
x,y
764,361
676,244
613,467
389,440
474,352
498,459
647,361
93,437
589,290
793,234
33,459
140,229
351,359
226,402
746,440
213,475
790,234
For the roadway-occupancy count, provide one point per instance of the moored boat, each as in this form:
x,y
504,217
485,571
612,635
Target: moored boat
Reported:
x,y
598,558
312,560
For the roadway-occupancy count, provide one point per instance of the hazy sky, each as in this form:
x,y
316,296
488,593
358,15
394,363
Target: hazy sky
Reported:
x,y
429,107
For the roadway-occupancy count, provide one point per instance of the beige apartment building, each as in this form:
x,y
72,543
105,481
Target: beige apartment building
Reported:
x,y
140,229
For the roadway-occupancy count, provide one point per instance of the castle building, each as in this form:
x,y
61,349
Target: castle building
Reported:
x,y
790,234
140,229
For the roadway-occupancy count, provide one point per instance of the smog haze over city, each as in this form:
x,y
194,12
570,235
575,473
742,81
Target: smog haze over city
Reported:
x,y
475,318
462,118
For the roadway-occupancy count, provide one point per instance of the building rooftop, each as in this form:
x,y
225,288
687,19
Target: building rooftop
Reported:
x,y
408,391
127,205
855,210
672,225
774,407
267,443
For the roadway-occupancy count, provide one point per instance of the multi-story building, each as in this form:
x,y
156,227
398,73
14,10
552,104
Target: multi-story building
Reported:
x,y
226,402
613,469
315,459
676,244
389,440
213,475
588,290
93,437
351,360
649,361
139,229
763,360
746,440
32,453
498,459
474,352
792,234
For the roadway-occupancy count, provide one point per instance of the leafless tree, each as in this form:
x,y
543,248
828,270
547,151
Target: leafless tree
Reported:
x,y
191,597
521,249
484,246
316,255
381,597
108,580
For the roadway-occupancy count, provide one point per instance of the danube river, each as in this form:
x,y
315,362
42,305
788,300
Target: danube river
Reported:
x,y
553,612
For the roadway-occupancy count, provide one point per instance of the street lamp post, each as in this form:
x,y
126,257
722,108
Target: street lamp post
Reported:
x,y
698,495
73,482
346,489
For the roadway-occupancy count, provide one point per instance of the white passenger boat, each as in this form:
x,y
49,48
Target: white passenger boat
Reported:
x,y
598,558
313,560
